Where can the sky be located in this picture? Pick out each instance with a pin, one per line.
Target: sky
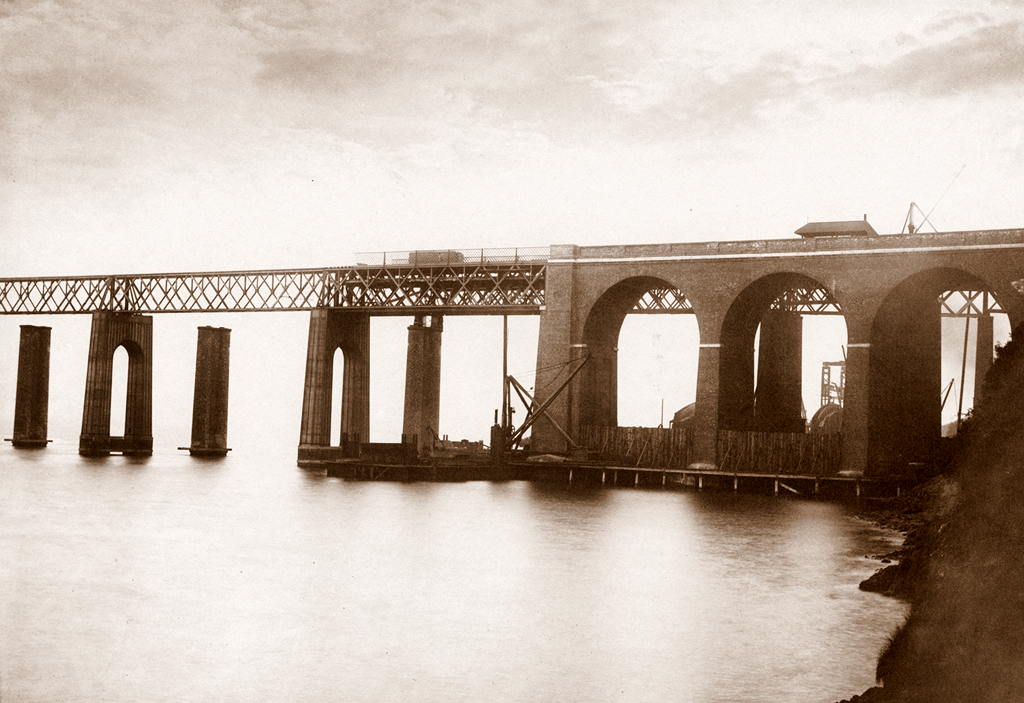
(202, 136)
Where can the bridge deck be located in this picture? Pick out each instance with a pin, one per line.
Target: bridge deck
(449, 282)
(482, 288)
(817, 246)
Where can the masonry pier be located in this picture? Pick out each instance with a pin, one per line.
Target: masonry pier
(892, 292)
(31, 403)
(905, 380)
(777, 400)
(111, 330)
(210, 401)
(329, 331)
(423, 381)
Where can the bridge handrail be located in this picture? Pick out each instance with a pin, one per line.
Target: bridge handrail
(450, 257)
(803, 246)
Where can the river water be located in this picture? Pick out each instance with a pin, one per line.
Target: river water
(176, 579)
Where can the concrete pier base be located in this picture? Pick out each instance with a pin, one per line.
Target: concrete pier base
(111, 330)
(423, 381)
(31, 403)
(210, 401)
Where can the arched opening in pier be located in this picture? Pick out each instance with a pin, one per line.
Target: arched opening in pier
(337, 394)
(657, 367)
(972, 323)
(782, 355)
(119, 391)
(642, 341)
(932, 341)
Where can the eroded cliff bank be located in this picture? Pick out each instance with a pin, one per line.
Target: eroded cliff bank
(963, 569)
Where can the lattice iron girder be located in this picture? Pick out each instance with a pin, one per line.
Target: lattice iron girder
(469, 289)
(953, 303)
(967, 303)
(807, 301)
(661, 301)
(446, 286)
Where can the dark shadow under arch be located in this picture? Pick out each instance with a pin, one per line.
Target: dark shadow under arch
(778, 409)
(905, 371)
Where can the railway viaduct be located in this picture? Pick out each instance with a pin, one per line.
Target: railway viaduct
(890, 290)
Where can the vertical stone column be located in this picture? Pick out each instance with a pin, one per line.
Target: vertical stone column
(555, 349)
(316, 394)
(855, 409)
(111, 330)
(423, 381)
(353, 335)
(138, 416)
(210, 400)
(778, 402)
(330, 330)
(905, 404)
(736, 379)
(705, 419)
(31, 403)
(597, 392)
(982, 354)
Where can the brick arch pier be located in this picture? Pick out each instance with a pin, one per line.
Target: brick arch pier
(886, 287)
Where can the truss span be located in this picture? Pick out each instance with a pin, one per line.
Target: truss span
(480, 288)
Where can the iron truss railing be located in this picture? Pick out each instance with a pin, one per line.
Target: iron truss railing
(393, 290)
(952, 303)
(807, 301)
(968, 303)
(661, 300)
(449, 257)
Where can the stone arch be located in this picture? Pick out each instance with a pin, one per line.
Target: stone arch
(773, 402)
(336, 371)
(905, 370)
(330, 330)
(135, 358)
(598, 386)
(135, 334)
(137, 410)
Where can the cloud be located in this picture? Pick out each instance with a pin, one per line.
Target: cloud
(740, 97)
(988, 58)
(325, 70)
(517, 58)
(64, 85)
(674, 98)
(954, 22)
(56, 59)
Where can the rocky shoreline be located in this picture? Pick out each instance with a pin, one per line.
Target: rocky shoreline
(909, 514)
(961, 567)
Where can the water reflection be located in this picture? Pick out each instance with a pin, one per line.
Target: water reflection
(175, 579)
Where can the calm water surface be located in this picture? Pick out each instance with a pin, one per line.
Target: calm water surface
(174, 579)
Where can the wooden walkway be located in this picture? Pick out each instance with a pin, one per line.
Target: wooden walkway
(756, 482)
(612, 476)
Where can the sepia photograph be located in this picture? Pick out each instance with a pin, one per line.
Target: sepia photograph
(440, 351)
